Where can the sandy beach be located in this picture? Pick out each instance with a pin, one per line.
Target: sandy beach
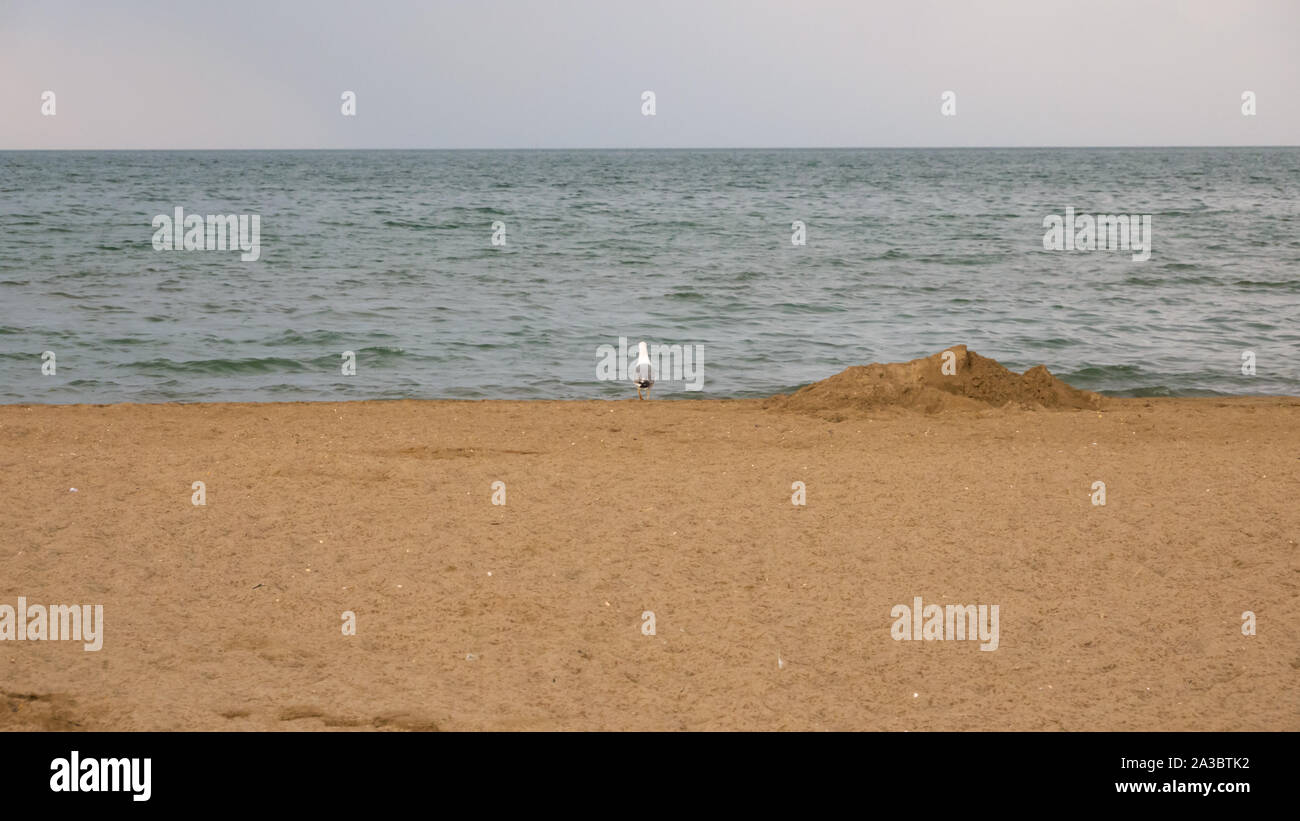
(767, 615)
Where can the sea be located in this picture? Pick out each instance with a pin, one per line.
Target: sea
(513, 274)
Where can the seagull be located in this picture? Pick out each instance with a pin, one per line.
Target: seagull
(642, 376)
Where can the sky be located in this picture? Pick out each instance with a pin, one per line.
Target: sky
(571, 73)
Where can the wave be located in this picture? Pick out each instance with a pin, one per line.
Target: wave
(220, 367)
(1282, 285)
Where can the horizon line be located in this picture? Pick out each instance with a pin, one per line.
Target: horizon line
(692, 148)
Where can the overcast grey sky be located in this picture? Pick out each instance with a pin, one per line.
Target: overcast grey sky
(570, 73)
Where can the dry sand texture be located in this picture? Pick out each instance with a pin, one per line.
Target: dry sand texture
(528, 615)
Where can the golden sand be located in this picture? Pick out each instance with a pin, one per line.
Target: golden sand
(768, 615)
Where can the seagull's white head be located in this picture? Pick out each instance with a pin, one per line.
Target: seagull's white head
(642, 354)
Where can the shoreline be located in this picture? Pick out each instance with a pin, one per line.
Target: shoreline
(1107, 400)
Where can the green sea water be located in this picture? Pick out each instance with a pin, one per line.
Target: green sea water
(390, 255)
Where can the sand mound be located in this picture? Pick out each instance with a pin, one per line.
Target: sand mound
(979, 382)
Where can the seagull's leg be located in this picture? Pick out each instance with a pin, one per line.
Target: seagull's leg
(638, 392)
